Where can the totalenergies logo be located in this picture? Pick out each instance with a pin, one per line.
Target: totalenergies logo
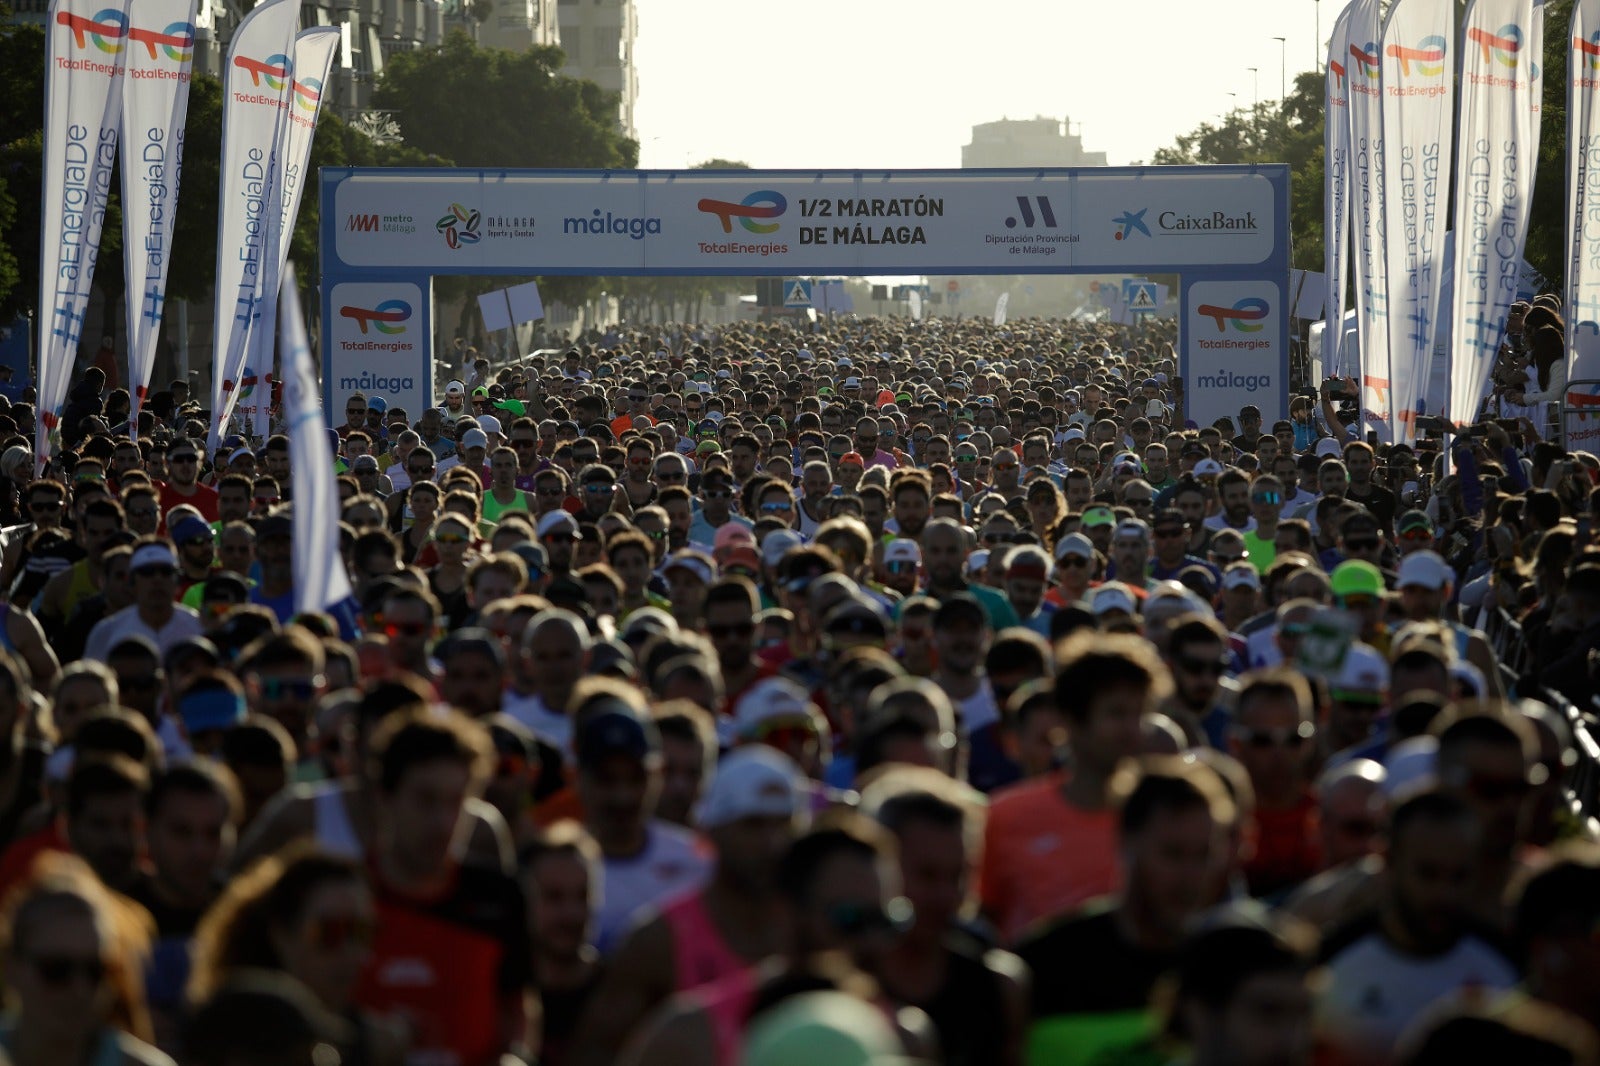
(1502, 46)
(1428, 56)
(307, 94)
(758, 205)
(105, 30)
(176, 41)
(1338, 74)
(1364, 60)
(1589, 50)
(388, 317)
(460, 226)
(275, 70)
(1246, 315)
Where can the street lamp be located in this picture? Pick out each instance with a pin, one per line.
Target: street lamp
(1255, 79)
(1283, 69)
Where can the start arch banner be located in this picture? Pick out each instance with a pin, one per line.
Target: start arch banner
(1223, 229)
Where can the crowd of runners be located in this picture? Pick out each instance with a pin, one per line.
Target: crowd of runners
(867, 691)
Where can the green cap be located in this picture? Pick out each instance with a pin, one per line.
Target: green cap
(1099, 516)
(1356, 578)
(829, 1028)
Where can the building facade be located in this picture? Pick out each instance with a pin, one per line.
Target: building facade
(598, 38)
(1028, 142)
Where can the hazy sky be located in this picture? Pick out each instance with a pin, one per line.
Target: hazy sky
(864, 84)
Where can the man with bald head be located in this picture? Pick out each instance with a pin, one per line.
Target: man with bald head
(553, 657)
(1353, 807)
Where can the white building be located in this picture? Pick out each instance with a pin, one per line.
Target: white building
(598, 38)
(1028, 142)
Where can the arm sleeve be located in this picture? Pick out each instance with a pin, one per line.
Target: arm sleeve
(1513, 464)
(1471, 487)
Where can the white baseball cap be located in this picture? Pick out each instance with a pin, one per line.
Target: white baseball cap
(770, 700)
(755, 781)
(1241, 576)
(1328, 448)
(902, 550)
(1113, 596)
(1425, 569)
(1208, 468)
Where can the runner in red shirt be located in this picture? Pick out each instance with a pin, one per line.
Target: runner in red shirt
(183, 486)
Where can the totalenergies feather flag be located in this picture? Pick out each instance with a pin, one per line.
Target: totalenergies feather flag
(1364, 69)
(1336, 195)
(1583, 222)
(155, 102)
(84, 62)
(256, 91)
(320, 580)
(1497, 147)
(1418, 119)
(313, 58)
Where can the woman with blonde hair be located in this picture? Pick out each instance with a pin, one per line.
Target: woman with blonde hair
(74, 954)
(310, 915)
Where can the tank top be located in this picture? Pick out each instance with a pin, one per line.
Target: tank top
(330, 822)
(968, 1011)
(493, 508)
(727, 1005)
(700, 953)
(79, 587)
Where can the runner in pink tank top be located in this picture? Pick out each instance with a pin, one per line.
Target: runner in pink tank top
(700, 954)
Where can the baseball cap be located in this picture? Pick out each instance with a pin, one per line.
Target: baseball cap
(823, 1027)
(977, 561)
(755, 781)
(851, 458)
(1328, 448)
(1425, 569)
(1099, 516)
(1412, 519)
(455, 388)
(767, 703)
(692, 561)
(857, 617)
(1208, 468)
(1113, 596)
(532, 553)
(616, 729)
(278, 524)
(1363, 678)
(13, 456)
(1241, 576)
(474, 438)
(851, 383)
(1353, 577)
(559, 521)
(153, 555)
(378, 404)
(489, 423)
(1074, 544)
(732, 535)
(902, 550)
(190, 528)
(778, 542)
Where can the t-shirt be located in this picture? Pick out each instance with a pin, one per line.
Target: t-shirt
(1262, 551)
(111, 631)
(447, 964)
(674, 862)
(1374, 991)
(1288, 849)
(204, 500)
(1042, 857)
(1380, 501)
(703, 534)
(550, 727)
(1091, 989)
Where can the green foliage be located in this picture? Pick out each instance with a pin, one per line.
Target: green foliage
(1289, 134)
(482, 107)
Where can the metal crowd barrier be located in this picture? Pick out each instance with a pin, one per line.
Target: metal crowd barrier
(1583, 777)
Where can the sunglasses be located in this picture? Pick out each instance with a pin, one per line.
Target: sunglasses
(1362, 544)
(1419, 535)
(777, 507)
(406, 629)
(1285, 737)
(1077, 562)
(59, 970)
(1213, 667)
(1267, 497)
(516, 443)
(598, 488)
(858, 919)
(155, 571)
(559, 538)
(292, 688)
(44, 508)
(449, 538)
(182, 459)
(730, 629)
(902, 567)
(337, 932)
